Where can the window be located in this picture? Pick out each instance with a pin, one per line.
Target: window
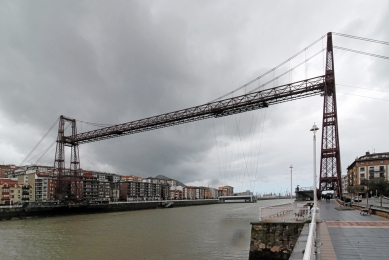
(381, 161)
(362, 169)
(371, 162)
(362, 175)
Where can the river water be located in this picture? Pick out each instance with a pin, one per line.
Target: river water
(219, 231)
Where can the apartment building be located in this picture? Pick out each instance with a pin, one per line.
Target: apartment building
(344, 185)
(211, 193)
(5, 169)
(368, 166)
(90, 187)
(189, 192)
(176, 194)
(42, 186)
(194, 192)
(100, 187)
(226, 191)
(140, 191)
(11, 192)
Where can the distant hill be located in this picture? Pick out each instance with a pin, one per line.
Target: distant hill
(167, 178)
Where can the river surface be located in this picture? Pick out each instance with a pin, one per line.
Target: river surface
(219, 231)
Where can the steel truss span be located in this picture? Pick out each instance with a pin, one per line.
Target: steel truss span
(226, 107)
(330, 168)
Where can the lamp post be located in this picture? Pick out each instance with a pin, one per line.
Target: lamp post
(314, 129)
(291, 197)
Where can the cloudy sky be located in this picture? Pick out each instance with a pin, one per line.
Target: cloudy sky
(119, 61)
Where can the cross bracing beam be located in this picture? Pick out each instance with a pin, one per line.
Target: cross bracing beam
(230, 106)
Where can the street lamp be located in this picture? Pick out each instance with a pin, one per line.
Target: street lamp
(314, 129)
(291, 199)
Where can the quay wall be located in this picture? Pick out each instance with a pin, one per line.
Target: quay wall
(274, 240)
(7, 213)
(185, 203)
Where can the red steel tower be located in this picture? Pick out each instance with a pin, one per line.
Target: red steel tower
(330, 170)
(69, 184)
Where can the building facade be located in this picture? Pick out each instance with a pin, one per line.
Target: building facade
(367, 167)
(226, 191)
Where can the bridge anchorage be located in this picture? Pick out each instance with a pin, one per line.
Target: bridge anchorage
(69, 181)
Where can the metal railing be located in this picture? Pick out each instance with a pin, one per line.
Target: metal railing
(291, 212)
(309, 253)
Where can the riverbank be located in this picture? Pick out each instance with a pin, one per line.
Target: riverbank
(7, 213)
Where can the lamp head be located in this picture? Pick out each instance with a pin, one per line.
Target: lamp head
(314, 128)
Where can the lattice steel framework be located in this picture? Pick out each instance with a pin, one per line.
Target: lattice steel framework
(226, 107)
(68, 181)
(330, 168)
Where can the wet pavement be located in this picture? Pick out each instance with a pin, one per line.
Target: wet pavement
(346, 234)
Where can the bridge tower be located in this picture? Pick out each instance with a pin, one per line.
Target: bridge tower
(330, 169)
(68, 181)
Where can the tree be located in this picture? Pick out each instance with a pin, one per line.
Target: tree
(380, 185)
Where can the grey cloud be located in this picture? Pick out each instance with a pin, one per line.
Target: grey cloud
(123, 61)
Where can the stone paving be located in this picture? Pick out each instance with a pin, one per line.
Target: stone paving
(345, 234)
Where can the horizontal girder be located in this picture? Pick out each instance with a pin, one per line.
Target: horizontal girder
(230, 106)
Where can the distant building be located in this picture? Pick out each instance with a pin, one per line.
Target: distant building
(189, 193)
(344, 185)
(369, 166)
(226, 191)
(131, 178)
(8, 170)
(42, 186)
(90, 187)
(176, 194)
(100, 187)
(247, 192)
(5, 169)
(140, 190)
(11, 192)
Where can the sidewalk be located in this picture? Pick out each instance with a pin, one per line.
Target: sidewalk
(345, 234)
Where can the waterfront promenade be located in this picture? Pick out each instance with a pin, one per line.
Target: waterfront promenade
(345, 234)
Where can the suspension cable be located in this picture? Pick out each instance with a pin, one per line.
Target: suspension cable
(361, 52)
(33, 149)
(43, 154)
(273, 69)
(362, 88)
(95, 124)
(311, 57)
(362, 96)
(360, 38)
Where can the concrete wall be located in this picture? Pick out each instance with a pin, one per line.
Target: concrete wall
(274, 240)
(54, 210)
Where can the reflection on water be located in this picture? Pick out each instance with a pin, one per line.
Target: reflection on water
(220, 231)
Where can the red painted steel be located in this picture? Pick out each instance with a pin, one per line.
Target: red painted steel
(330, 168)
(324, 85)
(226, 107)
(69, 182)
